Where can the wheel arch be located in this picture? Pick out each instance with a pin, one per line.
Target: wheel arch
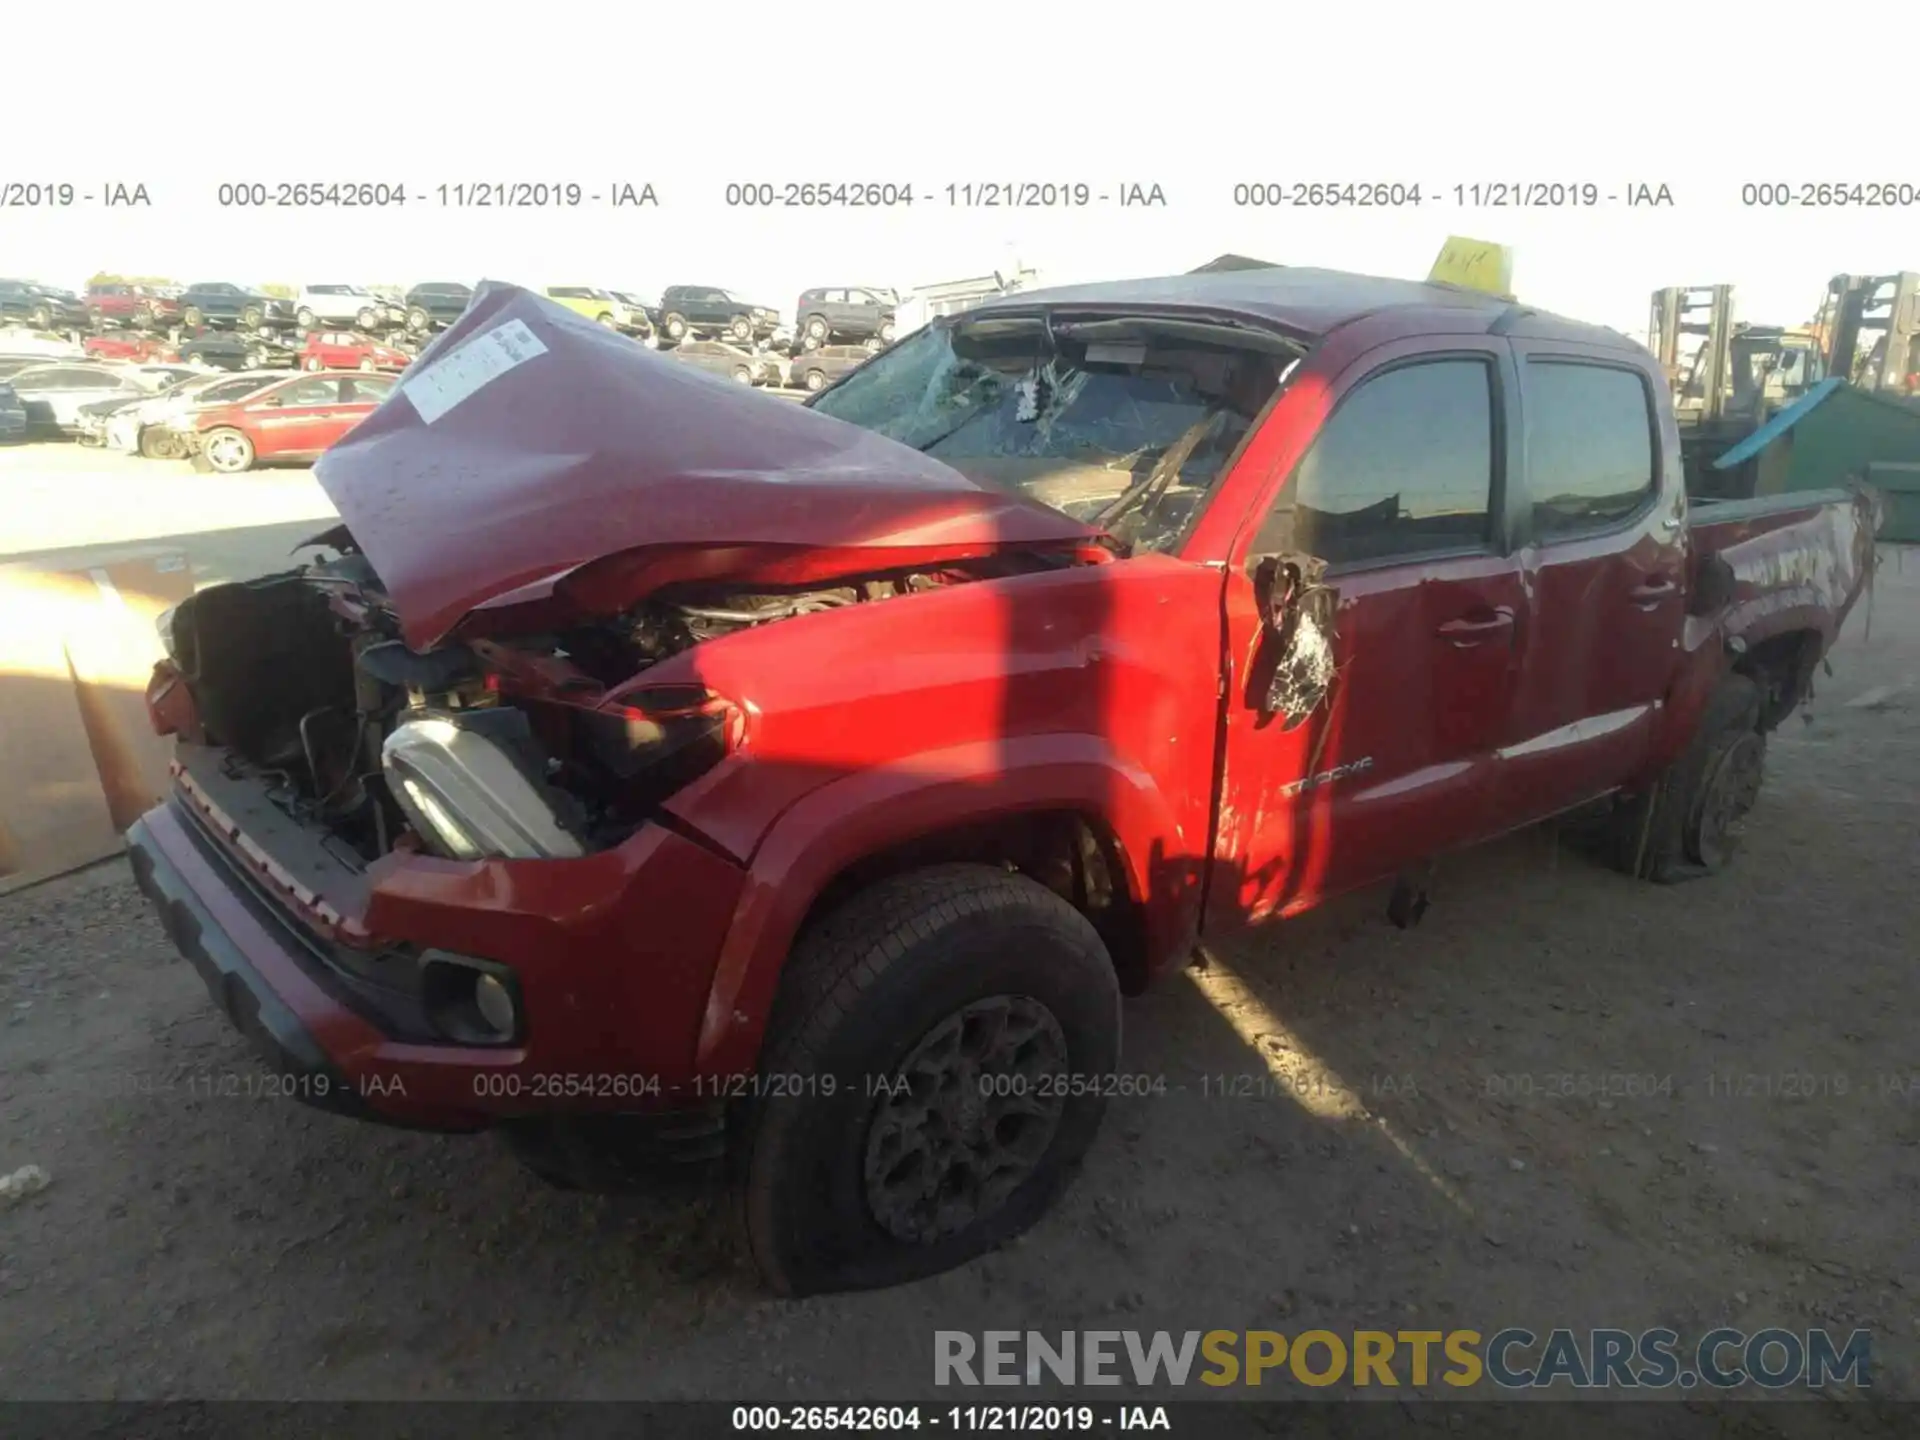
(1068, 814)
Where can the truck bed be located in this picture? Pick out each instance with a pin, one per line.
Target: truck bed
(1798, 561)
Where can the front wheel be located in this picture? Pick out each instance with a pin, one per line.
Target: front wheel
(816, 380)
(367, 366)
(228, 451)
(1689, 823)
(156, 444)
(740, 328)
(305, 318)
(192, 317)
(676, 326)
(252, 316)
(41, 318)
(925, 1040)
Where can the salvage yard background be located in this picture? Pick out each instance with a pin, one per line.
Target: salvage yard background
(1408, 1168)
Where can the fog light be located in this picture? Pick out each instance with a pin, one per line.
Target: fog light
(495, 1004)
(471, 1001)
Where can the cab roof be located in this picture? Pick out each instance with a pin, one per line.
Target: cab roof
(1306, 302)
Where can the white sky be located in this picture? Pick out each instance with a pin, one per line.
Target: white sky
(1193, 97)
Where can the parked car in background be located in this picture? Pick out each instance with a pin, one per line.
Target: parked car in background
(225, 350)
(642, 319)
(54, 394)
(338, 305)
(147, 426)
(816, 369)
(142, 306)
(719, 358)
(435, 304)
(217, 302)
(597, 305)
(13, 415)
(296, 419)
(844, 312)
(24, 341)
(701, 310)
(43, 307)
(346, 350)
(122, 346)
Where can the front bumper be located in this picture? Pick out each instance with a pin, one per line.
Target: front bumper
(296, 952)
(159, 850)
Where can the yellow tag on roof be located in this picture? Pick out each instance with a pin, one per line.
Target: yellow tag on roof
(1474, 265)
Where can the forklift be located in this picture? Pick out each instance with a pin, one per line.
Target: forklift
(1734, 381)
(1870, 329)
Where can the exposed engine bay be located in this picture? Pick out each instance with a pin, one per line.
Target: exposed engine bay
(476, 748)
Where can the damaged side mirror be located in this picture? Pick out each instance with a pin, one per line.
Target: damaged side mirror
(1297, 609)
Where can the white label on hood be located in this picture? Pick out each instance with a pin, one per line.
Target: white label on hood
(452, 378)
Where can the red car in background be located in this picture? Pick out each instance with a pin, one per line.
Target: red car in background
(293, 420)
(130, 305)
(342, 350)
(140, 348)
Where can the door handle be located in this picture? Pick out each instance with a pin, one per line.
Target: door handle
(1652, 593)
(1471, 630)
(1671, 524)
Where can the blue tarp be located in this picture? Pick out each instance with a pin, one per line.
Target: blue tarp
(1778, 425)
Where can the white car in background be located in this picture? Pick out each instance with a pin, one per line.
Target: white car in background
(25, 340)
(322, 307)
(54, 394)
(148, 427)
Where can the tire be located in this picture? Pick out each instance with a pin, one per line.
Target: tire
(741, 327)
(367, 367)
(899, 974)
(228, 451)
(157, 445)
(304, 318)
(251, 316)
(886, 333)
(811, 341)
(312, 363)
(816, 330)
(816, 380)
(368, 320)
(676, 327)
(1687, 824)
(418, 320)
(608, 321)
(192, 318)
(743, 375)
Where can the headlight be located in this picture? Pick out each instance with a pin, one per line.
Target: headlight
(163, 627)
(472, 796)
(658, 740)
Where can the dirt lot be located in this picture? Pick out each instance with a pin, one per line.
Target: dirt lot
(199, 1244)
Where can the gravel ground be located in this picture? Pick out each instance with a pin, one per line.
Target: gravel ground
(1400, 1171)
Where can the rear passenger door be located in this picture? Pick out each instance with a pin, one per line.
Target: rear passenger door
(1601, 521)
(1402, 494)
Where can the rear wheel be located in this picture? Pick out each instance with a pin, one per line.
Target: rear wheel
(743, 374)
(1689, 823)
(41, 318)
(923, 1037)
(740, 328)
(816, 380)
(418, 320)
(676, 327)
(228, 451)
(304, 318)
(368, 319)
(816, 331)
(606, 319)
(191, 317)
(367, 365)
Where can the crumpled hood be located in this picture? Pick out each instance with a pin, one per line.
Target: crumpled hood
(533, 457)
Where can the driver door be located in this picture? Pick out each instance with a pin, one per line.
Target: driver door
(1413, 633)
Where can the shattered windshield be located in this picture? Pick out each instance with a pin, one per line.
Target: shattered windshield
(1125, 422)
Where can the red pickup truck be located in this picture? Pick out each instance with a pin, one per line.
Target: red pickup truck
(657, 771)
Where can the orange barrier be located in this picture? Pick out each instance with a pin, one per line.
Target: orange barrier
(78, 760)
